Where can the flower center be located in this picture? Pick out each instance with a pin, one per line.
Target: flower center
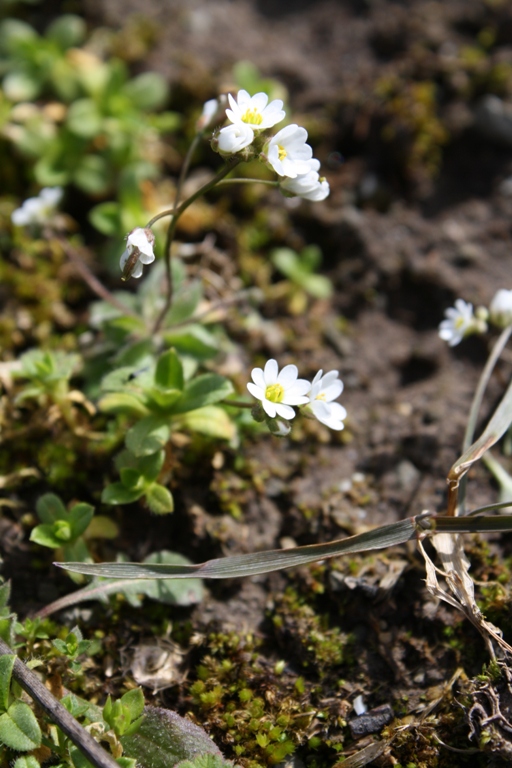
(459, 322)
(252, 116)
(274, 393)
(282, 153)
(320, 396)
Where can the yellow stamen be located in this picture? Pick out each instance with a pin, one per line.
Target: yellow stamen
(274, 393)
(320, 396)
(252, 116)
(282, 153)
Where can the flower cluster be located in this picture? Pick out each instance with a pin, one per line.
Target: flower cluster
(279, 391)
(38, 211)
(287, 153)
(461, 321)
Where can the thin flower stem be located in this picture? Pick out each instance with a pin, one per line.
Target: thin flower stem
(185, 167)
(477, 402)
(238, 404)
(238, 180)
(161, 215)
(231, 163)
(179, 186)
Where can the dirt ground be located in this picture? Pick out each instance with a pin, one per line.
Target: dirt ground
(419, 214)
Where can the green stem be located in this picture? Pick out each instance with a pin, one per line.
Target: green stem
(232, 163)
(238, 180)
(179, 186)
(477, 402)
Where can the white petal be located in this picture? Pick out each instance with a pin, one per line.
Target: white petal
(139, 239)
(333, 391)
(270, 372)
(255, 391)
(288, 375)
(285, 411)
(258, 377)
(269, 408)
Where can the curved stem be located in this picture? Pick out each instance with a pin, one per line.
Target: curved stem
(232, 162)
(179, 185)
(477, 402)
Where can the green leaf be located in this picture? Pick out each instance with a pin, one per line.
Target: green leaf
(159, 499)
(117, 493)
(68, 31)
(131, 478)
(45, 536)
(203, 390)
(93, 175)
(28, 761)
(50, 508)
(193, 340)
(106, 218)
(148, 436)
(79, 517)
(5, 594)
(205, 761)
(169, 371)
(134, 701)
(19, 728)
(184, 303)
(21, 86)
(161, 402)
(211, 421)
(147, 91)
(6, 667)
(122, 403)
(165, 738)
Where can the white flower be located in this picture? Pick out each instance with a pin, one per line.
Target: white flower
(233, 138)
(254, 110)
(139, 251)
(213, 113)
(288, 153)
(38, 210)
(460, 321)
(500, 309)
(278, 391)
(325, 389)
(308, 185)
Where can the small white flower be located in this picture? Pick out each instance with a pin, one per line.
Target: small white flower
(212, 114)
(288, 153)
(38, 210)
(233, 138)
(278, 391)
(500, 309)
(325, 389)
(139, 251)
(255, 110)
(460, 321)
(308, 185)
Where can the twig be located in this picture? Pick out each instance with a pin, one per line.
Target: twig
(58, 713)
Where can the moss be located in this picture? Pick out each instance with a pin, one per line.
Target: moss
(315, 645)
(256, 716)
